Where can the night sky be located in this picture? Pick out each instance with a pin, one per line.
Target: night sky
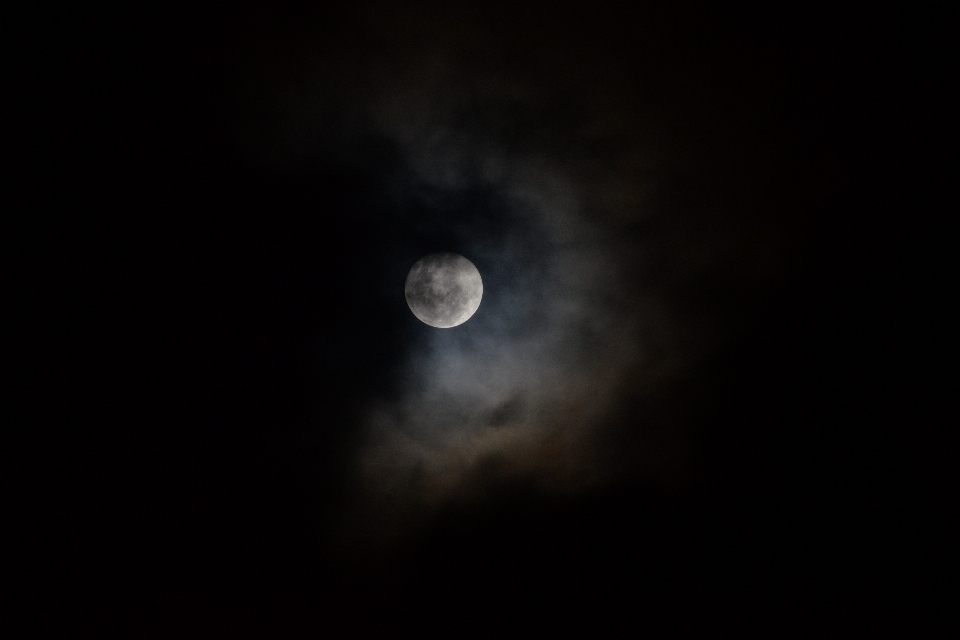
(678, 408)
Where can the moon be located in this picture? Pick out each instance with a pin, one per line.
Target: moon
(444, 289)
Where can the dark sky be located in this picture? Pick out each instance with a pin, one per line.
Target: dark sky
(670, 411)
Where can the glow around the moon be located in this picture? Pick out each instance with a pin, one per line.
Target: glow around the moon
(444, 289)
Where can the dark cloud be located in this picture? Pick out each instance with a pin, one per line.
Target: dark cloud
(532, 152)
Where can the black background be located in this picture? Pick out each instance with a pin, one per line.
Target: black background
(188, 338)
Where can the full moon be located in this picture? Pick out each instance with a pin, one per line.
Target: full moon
(444, 290)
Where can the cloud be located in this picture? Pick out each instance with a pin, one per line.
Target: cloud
(537, 156)
(528, 391)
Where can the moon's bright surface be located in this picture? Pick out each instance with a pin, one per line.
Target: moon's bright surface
(444, 289)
